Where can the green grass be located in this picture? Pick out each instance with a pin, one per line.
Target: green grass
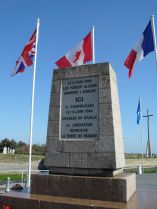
(13, 176)
(149, 170)
(131, 170)
(135, 170)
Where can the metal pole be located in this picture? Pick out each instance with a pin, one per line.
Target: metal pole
(148, 142)
(141, 134)
(148, 134)
(93, 45)
(154, 37)
(32, 106)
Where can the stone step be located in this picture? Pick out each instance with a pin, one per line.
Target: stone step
(119, 188)
(18, 200)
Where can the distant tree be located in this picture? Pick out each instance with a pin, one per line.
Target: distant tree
(21, 144)
(38, 149)
(13, 144)
(5, 142)
(21, 147)
(22, 150)
(1, 147)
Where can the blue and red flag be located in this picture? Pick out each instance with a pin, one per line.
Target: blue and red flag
(27, 56)
(144, 46)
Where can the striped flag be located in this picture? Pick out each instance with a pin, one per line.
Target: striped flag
(144, 46)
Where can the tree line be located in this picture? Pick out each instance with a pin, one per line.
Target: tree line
(21, 147)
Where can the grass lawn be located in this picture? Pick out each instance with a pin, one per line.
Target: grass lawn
(13, 177)
(135, 170)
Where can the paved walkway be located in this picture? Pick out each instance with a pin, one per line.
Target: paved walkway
(146, 182)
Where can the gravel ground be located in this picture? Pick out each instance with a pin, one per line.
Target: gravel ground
(147, 162)
(152, 162)
(5, 166)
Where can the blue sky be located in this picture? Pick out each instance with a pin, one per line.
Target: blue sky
(119, 24)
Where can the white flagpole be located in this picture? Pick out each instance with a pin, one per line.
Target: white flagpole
(93, 45)
(32, 106)
(154, 37)
(141, 133)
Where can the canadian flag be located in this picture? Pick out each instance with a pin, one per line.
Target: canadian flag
(79, 55)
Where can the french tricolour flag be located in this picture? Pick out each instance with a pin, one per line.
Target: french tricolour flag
(144, 46)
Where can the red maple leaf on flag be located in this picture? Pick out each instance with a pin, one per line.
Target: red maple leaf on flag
(77, 56)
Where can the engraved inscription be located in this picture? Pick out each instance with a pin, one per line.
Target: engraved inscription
(79, 108)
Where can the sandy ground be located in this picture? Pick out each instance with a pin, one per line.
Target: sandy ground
(24, 166)
(5, 166)
(152, 162)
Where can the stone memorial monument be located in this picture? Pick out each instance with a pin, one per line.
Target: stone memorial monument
(84, 149)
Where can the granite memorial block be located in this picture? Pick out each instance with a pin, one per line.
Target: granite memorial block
(84, 126)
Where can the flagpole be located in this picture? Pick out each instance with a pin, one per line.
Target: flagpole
(154, 37)
(93, 45)
(141, 127)
(32, 106)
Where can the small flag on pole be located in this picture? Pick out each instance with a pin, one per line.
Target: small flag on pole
(79, 55)
(144, 46)
(27, 56)
(139, 112)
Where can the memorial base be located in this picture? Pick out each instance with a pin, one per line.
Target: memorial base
(34, 201)
(85, 171)
(119, 188)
